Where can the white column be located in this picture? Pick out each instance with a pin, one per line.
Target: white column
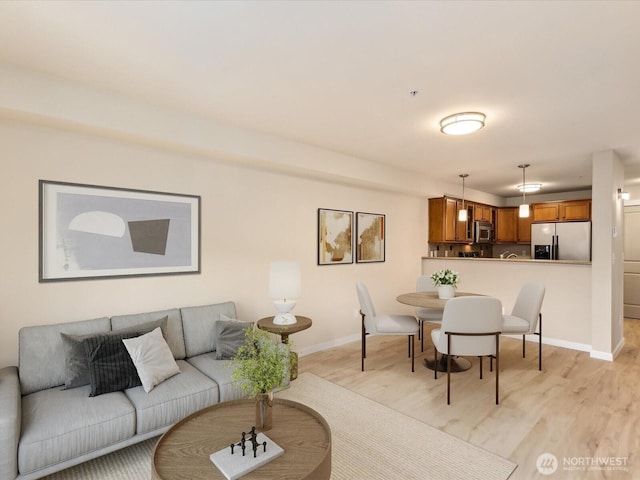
(607, 256)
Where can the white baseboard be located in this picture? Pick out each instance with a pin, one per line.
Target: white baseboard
(336, 342)
(554, 342)
(606, 355)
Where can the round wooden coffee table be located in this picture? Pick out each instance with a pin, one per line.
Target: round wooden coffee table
(183, 451)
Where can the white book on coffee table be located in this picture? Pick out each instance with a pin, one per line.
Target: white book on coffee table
(235, 466)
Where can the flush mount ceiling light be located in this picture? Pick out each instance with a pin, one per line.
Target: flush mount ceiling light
(462, 123)
(530, 187)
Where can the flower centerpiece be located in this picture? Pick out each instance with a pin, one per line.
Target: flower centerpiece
(446, 280)
(261, 366)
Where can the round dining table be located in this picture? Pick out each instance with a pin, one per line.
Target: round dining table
(431, 300)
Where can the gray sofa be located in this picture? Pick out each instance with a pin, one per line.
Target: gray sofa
(45, 428)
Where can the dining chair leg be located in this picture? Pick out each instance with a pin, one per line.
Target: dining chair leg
(364, 343)
(422, 335)
(497, 364)
(480, 367)
(448, 369)
(413, 353)
(540, 343)
(435, 362)
(409, 345)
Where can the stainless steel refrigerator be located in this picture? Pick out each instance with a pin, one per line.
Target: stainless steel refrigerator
(561, 241)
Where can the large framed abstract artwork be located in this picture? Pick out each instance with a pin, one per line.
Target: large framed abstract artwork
(370, 237)
(90, 231)
(335, 244)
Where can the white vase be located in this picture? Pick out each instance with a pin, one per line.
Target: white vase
(446, 292)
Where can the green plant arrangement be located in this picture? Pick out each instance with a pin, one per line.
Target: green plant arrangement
(262, 364)
(445, 276)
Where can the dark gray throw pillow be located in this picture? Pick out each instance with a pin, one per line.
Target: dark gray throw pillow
(230, 335)
(76, 364)
(110, 366)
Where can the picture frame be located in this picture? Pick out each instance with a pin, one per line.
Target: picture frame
(91, 232)
(370, 237)
(335, 237)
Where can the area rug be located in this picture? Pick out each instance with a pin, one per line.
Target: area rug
(373, 442)
(369, 442)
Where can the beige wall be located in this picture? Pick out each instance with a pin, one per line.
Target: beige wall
(249, 217)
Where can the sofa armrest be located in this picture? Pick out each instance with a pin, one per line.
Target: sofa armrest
(10, 421)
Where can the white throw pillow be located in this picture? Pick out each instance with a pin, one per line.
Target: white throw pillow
(152, 357)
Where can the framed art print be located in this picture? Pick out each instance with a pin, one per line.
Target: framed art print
(335, 237)
(370, 237)
(89, 231)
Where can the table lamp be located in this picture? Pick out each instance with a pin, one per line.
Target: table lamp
(284, 289)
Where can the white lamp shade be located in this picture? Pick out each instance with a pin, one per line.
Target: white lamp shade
(462, 215)
(284, 289)
(284, 280)
(524, 210)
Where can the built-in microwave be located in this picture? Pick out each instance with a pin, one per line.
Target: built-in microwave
(482, 232)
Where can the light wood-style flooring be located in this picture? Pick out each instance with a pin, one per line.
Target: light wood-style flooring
(577, 408)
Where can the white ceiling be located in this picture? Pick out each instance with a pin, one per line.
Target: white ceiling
(557, 80)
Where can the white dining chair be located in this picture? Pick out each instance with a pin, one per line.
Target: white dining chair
(526, 316)
(374, 324)
(431, 315)
(470, 327)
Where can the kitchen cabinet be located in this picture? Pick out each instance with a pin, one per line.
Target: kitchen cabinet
(524, 229)
(578, 210)
(506, 227)
(562, 211)
(444, 226)
(544, 212)
(482, 213)
(442, 219)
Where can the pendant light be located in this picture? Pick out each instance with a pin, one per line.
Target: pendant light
(523, 212)
(462, 214)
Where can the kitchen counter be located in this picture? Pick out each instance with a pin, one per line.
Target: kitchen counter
(566, 309)
(509, 260)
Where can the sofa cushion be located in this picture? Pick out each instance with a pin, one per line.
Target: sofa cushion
(152, 358)
(220, 371)
(76, 363)
(230, 335)
(198, 323)
(173, 399)
(41, 355)
(59, 425)
(173, 333)
(110, 365)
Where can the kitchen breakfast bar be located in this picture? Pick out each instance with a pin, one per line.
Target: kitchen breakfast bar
(566, 308)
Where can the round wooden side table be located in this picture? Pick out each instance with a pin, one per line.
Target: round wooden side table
(302, 323)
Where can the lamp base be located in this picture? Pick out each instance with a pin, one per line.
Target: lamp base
(284, 319)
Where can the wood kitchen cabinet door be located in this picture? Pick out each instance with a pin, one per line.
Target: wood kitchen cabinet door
(443, 219)
(578, 210)
(545, 212)
(524, 229)
(482, 213)
(507, 225)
